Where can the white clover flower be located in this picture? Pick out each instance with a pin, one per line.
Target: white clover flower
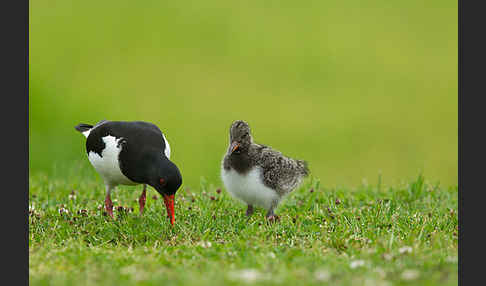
(247, 275)
(356, 263)
(205, 244)
(322, 275)
(452, 259)
(387, 256)
(405, 249)
(410, 274)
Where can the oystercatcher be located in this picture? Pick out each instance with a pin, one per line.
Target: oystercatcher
(257, 174)
(132, 153)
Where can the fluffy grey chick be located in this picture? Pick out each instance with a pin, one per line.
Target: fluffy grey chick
(257, 174)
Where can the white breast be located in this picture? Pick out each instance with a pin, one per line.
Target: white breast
(249, 188)
(107, 164)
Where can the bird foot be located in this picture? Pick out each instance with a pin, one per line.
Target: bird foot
(141, 201)
(249, 210)
(110, 211)
(109, 206)
(272, 218)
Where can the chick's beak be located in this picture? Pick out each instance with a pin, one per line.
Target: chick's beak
(169, 205)
(234, 146)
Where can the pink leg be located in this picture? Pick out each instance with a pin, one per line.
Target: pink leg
(109, 205)
(142, 199)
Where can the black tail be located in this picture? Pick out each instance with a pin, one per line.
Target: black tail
(81, 127)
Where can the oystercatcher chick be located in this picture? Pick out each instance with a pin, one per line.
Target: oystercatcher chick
(132, 153)
(257, 174)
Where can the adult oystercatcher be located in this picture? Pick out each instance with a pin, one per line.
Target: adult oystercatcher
(132, 153)
(257, 174)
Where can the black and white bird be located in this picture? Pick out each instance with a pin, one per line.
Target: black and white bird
(132, 153)
(257, 174)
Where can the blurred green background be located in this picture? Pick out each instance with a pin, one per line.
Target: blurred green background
(356, 88)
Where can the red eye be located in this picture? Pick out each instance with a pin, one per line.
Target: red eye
(162, 182)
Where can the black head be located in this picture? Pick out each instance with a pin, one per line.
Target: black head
(166, 179)
(240, 137)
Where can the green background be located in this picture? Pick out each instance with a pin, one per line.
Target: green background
(356, 88)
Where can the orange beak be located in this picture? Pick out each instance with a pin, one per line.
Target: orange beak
(234, 146)
(169, 205)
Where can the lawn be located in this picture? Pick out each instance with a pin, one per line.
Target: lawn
(373, 234)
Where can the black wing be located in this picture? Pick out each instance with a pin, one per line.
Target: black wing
(139, 142)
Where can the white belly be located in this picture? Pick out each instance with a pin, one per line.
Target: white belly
(249, 188)
(107, 164)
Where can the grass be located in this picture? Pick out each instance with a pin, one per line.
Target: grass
(373, 234)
